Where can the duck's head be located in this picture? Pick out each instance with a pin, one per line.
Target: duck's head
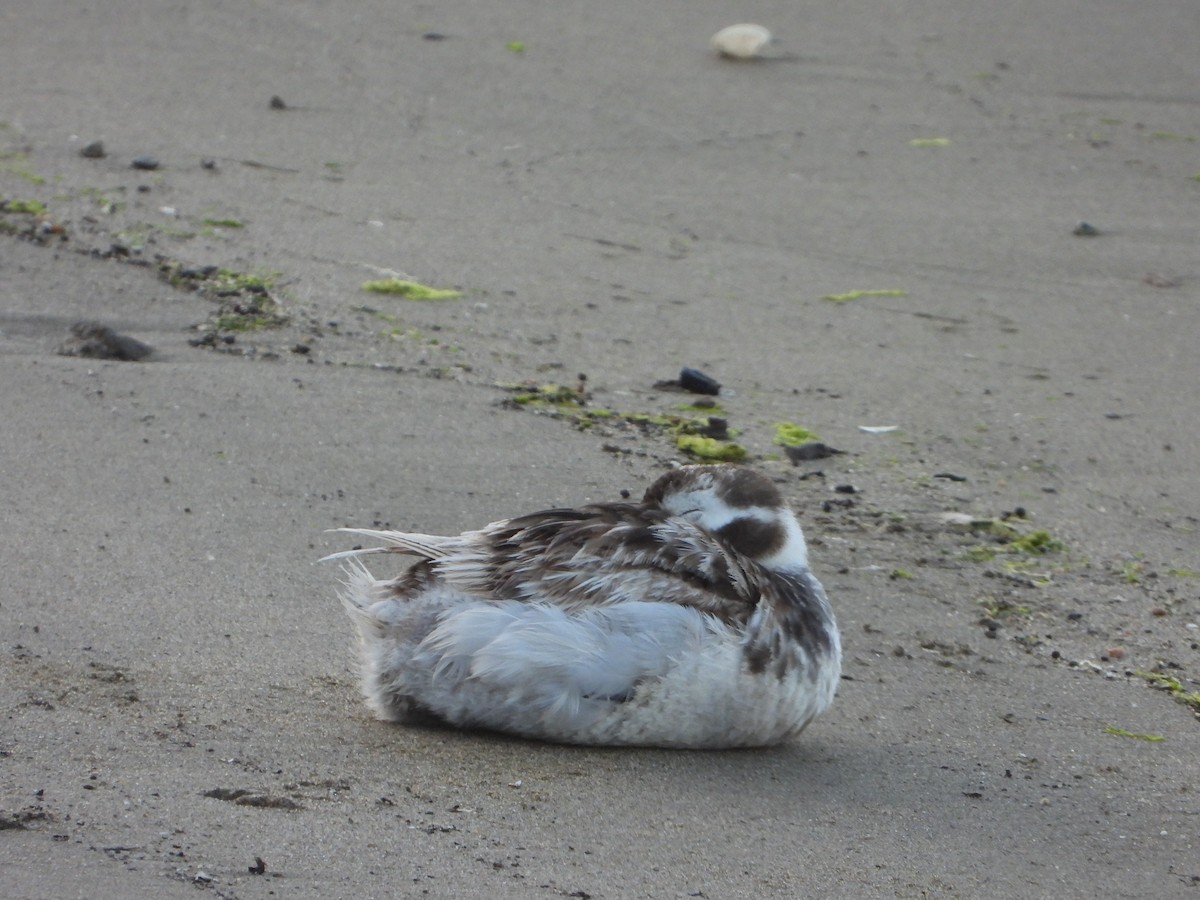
(740, 506)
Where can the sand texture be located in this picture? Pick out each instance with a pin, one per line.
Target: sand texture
(613, 200)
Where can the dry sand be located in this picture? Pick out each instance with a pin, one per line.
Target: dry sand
(612, 199)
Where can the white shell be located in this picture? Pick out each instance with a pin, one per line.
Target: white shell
(742, 41)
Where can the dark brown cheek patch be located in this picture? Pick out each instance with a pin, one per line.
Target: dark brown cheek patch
(745, 487)
(752, 537)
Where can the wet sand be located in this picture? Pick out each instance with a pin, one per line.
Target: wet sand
(611, 199)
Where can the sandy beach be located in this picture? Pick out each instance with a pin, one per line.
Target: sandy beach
(955, 241)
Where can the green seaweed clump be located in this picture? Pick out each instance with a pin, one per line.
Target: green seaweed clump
(710, 448)
(1175, 688)
(1121, 732)
(557, 395)
(410, 290)
(1001, 609)
(23, 207)
(857, 295)
(1008, 540)
(704, 436)
(554, 399)
(788, 434)
(1036, 543)
(245, 301)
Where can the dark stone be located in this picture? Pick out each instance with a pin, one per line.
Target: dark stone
(696, 382)
(94, 340)
(810, 451)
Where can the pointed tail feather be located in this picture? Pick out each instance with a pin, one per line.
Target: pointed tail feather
(351, 554)
(429, 546)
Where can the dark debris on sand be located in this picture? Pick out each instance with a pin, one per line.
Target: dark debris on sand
(95, 340)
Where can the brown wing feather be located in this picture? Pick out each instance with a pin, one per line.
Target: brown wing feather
(602, 553)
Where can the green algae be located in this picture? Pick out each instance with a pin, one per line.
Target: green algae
(858, 295)
(789, 434)
(1121, 732)
(23, 207)
(710, 448)
(409, 290)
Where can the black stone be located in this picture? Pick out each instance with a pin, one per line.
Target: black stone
(697, 382)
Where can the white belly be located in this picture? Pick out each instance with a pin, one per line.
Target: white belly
(633, 673)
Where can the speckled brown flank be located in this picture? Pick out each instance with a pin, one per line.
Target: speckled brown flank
(797, 617)
(803, 616)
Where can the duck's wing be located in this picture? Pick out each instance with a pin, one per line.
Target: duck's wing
(596, 555)
(601, 555)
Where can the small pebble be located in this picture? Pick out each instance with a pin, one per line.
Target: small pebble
(697, 382)
(93, 340)
(148, 163)
(277, 102)
(1160, 281)
(1083, 229)
(94, 150)
(810, 451)
(717, 428)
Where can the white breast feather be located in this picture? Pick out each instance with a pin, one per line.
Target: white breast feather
(602, 652)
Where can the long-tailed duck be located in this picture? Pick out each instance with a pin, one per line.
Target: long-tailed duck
(690, 619)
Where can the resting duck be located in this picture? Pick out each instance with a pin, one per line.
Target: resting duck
(690, 619)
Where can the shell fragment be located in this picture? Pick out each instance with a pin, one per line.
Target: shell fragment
(743, 41)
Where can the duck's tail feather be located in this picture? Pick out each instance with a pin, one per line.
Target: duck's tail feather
(428, 546)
